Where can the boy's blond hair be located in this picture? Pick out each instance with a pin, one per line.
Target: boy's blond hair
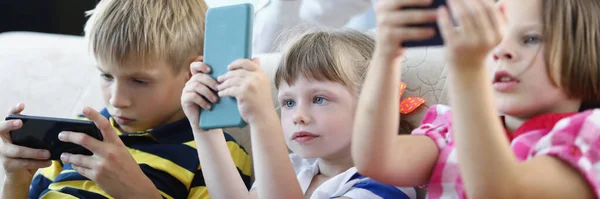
(121, 32)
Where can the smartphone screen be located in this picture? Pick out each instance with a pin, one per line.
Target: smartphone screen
(42, 133)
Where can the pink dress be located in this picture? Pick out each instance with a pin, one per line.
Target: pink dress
(572, 137)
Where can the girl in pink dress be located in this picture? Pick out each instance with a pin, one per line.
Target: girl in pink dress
(524, 79)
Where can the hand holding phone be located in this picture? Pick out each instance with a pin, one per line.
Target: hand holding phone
(18, 160)
(396, 23)
(228, 38)
(42, 133)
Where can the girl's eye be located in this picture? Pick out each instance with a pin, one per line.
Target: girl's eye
(532, 39)
(289, 103)
(319, 100)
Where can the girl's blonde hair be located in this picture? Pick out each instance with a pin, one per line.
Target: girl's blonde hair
(572, 32)
(341, 56)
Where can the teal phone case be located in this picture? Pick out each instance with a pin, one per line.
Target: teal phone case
(228, 37)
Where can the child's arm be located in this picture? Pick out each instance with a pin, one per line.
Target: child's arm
(376, 149)
(219, 170)
(274, 173)
(19, 163)
(488, 166)
(220, 173)
(249, 84)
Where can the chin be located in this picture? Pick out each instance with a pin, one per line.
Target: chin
(518, 110)
(307, 153)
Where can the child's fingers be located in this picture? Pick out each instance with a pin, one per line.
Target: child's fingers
(233, 74)
(78, 160)
(86, 141)
(230, 92)
(199, 67)
(9, 125)
(190, 104)
(207, 93)
(202, 90)
(479, 18)
(410, 34)
(447, 29)
(25, 163)
(234, 81)
(20, 152)
(195, 98)
(86, 172)
(406, 17)
(461, 13)
(390, 5)
(205, 80)
(497, 19)
(245, 64)
(16, 109)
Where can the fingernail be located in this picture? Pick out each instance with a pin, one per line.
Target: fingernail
(196, 64)
(17, 123)
(61, 136)
(64, 156)
(18, 105)
(46, 154)
(86, 110)
(215, 99)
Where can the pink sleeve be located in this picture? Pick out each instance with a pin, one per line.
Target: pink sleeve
(436, 125)
(576, 141)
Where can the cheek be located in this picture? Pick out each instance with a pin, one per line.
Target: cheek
(106, 92)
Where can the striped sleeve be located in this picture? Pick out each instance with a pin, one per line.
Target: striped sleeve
(198, 188)
(42, 180)
(370, 189)
(241, 159)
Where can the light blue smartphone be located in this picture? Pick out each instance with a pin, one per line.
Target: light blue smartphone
(228, 37)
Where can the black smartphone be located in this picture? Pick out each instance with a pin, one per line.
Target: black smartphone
(42, 133)
(437, 40)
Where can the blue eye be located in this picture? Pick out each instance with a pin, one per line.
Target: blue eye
(289, 103)
(532, 40)
(319, 100)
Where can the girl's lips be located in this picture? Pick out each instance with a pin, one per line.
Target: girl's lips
(303, 137)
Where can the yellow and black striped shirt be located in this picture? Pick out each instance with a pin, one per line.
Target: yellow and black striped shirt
(166, 154)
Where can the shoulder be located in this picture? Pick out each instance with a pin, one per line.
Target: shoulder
(360, 186)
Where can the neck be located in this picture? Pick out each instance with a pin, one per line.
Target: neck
(335, 164)
(512, 123)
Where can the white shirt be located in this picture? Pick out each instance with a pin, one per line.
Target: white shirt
(346, 184)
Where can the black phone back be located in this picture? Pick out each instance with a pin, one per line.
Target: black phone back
(42, 133)
(437, 40)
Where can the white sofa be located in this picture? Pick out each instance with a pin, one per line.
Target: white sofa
(54, 75)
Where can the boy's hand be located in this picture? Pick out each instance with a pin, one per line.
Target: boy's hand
(250, 85)
(393, 22)
(479, 31)
(196, 91)
(19, 162)
(111, 166)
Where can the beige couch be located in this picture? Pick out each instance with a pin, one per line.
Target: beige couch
(55, 76)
